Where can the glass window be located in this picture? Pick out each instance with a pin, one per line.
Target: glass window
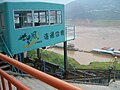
(59, 17)
(23, 19)
(41, 18)
(2, 21)
(55, 17)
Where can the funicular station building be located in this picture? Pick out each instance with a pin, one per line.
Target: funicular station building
(30, 26)
(25, 26)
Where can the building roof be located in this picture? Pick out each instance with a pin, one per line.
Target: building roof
(2, 1)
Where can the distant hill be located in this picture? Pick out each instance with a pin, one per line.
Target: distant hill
(93, 9)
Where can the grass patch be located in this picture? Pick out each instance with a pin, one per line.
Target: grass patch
(58, 59)
(55, 58)
(101, 65)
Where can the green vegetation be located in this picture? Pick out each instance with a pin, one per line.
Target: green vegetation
(54, 58)
(72, 63)
(101, 65)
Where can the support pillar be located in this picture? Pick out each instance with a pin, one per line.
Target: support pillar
(38, 53)
(65, 59)
(38, 62)
(21, 57)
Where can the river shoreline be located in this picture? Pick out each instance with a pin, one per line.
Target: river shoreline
(88, 38)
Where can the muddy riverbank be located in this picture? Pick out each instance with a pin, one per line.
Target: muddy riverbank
(88, 38)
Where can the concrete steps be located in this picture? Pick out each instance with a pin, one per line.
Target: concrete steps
(34, 84)
(4, 66)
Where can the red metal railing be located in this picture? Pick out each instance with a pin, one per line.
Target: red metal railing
(11, 81)
(52, 81)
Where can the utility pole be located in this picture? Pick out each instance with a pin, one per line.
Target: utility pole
(65, 59)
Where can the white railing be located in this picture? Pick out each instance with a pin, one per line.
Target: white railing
(70, 32)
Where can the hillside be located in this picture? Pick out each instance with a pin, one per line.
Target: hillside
(93, 10)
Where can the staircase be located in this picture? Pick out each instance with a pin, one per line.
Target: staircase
(44, 66)
(34, 84)
(3, 65)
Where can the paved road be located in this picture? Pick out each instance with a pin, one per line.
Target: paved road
(112, 86)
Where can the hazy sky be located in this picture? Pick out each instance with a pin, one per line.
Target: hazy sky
(54, 1)
(58, 1)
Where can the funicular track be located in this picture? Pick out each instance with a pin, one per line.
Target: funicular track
(50, 80)
(44, 66)
(93, 76)
(89, 76)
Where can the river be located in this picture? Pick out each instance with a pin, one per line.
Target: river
(88, 38)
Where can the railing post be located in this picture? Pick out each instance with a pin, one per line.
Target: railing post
(18, 88)
(55, 82)
(74, 31)
(114, 76)
(0, 86)
(109, 72)
(3, 83)
(115, 63)
(84, 76)
(21, 59)
(10, 86)
(12, 81)
(61, 72)
(92, 76)
(0, 83)
(44, 68)
(74, 74)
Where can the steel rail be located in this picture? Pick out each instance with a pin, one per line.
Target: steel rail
(52, 81)
(11, 81)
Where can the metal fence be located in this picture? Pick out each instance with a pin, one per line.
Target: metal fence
(48, 79)
(92, 76)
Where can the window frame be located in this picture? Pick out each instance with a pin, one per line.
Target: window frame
(60, 17)
(46, 17)
(22, 27)
(56, 17)
(33, 19)
(52, 22)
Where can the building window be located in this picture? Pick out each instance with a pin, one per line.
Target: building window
(2, 26)
(23, 19)
(59, 17)
(41, 18)
(36, 18)
(55, 17)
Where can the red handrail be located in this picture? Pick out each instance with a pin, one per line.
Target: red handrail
(55, 82)
(11, 81)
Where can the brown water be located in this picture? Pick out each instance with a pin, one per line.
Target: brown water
(88, 38)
